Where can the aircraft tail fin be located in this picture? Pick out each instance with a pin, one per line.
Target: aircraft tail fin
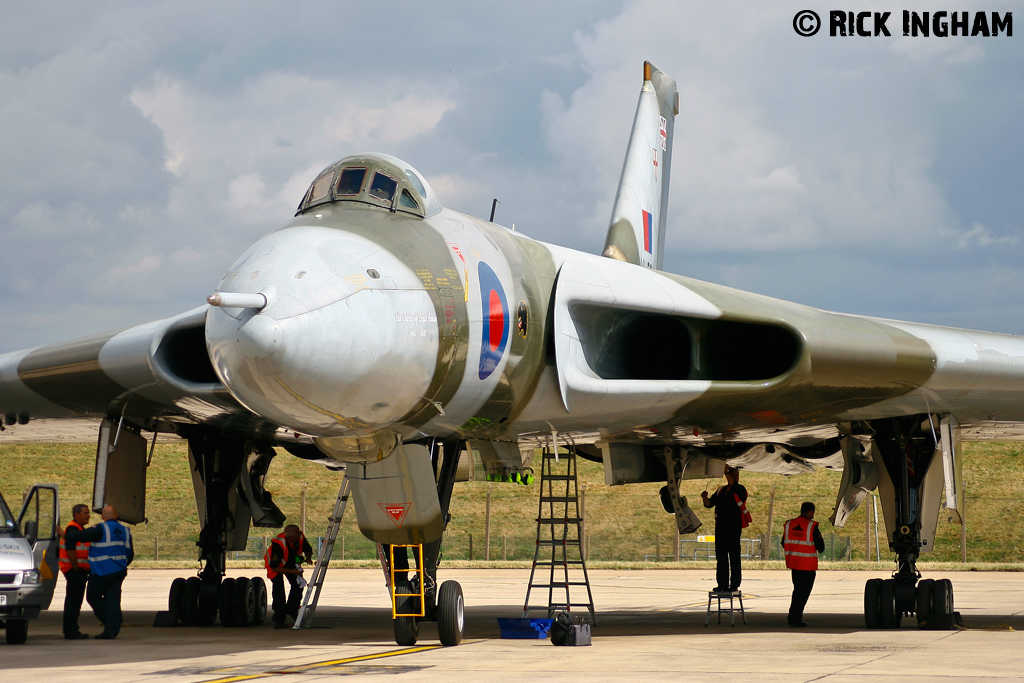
(637, 230)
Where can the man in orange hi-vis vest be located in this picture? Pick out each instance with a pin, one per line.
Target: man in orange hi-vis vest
(74, 565)
(282, 559)
(802, 541)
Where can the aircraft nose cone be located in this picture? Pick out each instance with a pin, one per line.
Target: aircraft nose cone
(259, 338)
(336, 349)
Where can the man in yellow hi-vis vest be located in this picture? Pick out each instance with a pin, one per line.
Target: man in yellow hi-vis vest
(802, 542)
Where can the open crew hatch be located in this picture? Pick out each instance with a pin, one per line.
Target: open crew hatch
(373, 179)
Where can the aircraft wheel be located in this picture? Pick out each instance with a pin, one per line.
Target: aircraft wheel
(451, 613)
(887, 604)
(259, 587)
(407, 629)
(17, 631)
(208, 593)
(924, 602)
(871, 613)
(190, 601)
(225, 602)
(244, 602)
(942, 605)
(175, 595)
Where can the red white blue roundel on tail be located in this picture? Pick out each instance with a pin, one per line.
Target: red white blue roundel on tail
(495, 320)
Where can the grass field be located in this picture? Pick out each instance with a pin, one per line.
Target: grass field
(625, 525)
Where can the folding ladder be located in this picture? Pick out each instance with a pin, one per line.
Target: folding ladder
(559, 528)
(307, 609)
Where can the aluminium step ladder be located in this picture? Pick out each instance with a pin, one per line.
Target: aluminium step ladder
(559, 527)
(304, 619)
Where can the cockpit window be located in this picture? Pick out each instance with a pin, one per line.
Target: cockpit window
(414, 179)
(372, 180)
(407, 201)
(351, 182)
(383, 187)
(321, 187)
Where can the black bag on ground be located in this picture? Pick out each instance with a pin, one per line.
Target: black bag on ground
(561, 627)
(565, 632)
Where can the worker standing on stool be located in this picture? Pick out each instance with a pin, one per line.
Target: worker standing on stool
(802, 541)
(729, 502)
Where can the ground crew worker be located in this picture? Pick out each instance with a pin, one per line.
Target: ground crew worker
(285, 552)
(110, 553)
(74, 565)
(729, 502)
(802, 541)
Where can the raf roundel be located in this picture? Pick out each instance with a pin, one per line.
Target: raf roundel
(495, 319)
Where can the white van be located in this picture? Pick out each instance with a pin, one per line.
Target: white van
(29, 550)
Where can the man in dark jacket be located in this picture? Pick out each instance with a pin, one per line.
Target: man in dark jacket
(729, 502)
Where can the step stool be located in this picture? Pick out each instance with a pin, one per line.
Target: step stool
(731, 610)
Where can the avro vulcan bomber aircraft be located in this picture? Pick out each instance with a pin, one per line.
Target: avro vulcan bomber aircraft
(379, 332)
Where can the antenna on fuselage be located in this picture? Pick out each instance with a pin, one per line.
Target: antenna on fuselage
(494, 205)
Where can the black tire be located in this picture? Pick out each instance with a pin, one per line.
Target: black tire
(208, 593)
(407, 629)
(451, 613)
(887, 604)
(17, 631)
(225, 602)
(244, 602)
(175, 595)
(871, 612)
(942, 605)
(190, 601)
(259, 587)
(924, 602)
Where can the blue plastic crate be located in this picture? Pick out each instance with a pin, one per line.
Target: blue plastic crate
(526, 629)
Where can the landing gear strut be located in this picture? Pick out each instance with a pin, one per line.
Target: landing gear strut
(907, 448)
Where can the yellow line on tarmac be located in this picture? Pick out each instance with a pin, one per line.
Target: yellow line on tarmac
(334, 662)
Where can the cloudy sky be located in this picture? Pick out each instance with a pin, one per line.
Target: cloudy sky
(145, 145)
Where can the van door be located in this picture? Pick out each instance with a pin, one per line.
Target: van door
(38, 522)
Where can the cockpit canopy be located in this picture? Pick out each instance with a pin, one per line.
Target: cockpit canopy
(375, 179)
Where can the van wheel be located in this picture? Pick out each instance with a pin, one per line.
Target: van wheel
(17, 631)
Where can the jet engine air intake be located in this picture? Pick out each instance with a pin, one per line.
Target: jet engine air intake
(641, 345)
(182, 353)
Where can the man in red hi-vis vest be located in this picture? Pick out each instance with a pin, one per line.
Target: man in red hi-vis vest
(74, 565)
(802, 541)
(286, 550)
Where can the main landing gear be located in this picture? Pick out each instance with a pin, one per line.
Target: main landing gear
(908, 450)
(238, 602)
(228, 479)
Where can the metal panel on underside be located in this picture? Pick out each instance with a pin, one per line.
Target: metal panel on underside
(121, 473)
(396, 498)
